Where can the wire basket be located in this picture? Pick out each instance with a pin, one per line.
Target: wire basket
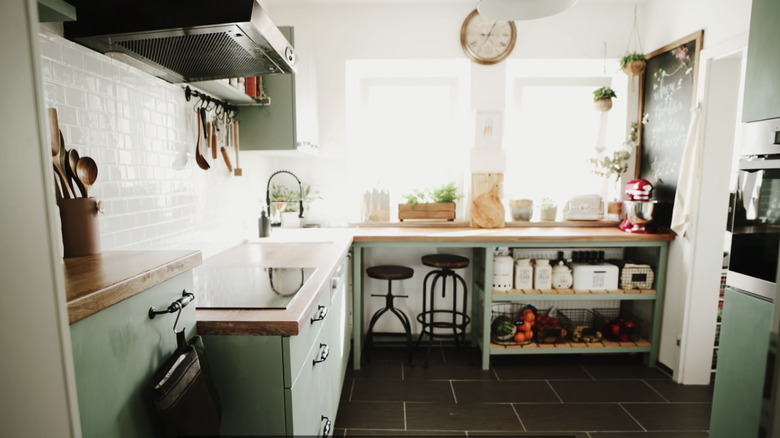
(513, 311)
(548, 329)
(579, 325)
(616, 325)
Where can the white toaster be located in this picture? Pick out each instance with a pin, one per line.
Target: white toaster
(601, 276)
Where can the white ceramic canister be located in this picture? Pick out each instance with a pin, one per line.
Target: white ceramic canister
(502, 271)
(542, 274)
(561, 276)
(524, 274)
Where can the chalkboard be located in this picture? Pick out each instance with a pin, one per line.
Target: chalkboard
(668, 91)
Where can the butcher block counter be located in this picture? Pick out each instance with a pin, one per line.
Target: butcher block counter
(507, 234)
(95, 282)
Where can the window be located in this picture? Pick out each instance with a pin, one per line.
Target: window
(408, 125)
(552, 128)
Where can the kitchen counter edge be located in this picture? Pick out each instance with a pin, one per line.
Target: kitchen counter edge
(96, 282)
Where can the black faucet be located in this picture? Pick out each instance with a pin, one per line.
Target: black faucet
(268, 192)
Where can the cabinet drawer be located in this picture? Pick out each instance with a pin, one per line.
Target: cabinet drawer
(309, 400)
(297, 348)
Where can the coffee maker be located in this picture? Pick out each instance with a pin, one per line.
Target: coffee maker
(638, 208)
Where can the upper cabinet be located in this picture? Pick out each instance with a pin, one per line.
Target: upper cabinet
(55, 11)
(290, 122)
(762, 78)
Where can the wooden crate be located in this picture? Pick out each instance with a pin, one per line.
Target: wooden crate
(438, 211)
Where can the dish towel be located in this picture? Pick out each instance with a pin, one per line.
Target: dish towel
(690, 175)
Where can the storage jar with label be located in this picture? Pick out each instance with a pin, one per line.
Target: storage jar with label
(542, 274)
(524, 274)
(561, 276)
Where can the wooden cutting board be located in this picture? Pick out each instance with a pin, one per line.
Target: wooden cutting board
(487, 210)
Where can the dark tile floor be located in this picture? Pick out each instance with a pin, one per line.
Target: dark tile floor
(564, 396)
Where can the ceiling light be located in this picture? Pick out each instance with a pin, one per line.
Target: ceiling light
(516, 10)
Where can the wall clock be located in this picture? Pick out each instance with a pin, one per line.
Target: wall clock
(486, 40)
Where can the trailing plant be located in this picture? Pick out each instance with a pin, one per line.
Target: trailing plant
(604, 93)
(615, 164)
(628, 58)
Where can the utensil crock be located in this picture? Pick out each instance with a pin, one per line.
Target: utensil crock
(80, 230)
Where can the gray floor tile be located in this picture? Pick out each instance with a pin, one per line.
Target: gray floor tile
(459, 417)
(410, 433)
(378, 370)
(538, 368)
(575, 417)
(370, 415)
(649, 434)
(599, 391)
(402, 390)
(675, 392)
(671, 416)
(619, 366)
(504, 392)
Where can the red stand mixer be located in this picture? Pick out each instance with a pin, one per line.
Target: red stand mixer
(639, 208)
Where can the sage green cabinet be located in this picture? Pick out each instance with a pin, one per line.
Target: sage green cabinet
(115, 353)
(762, 82)
(285, 385)
(739, 378)
(290, 122)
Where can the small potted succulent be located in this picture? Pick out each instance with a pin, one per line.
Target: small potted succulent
(435, 203)
(548, 210)
(602, 98)
(633, 63)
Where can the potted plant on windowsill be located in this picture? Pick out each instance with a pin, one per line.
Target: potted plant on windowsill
(284, 203)
(602, 98)
(436, 203)
(612, 166)
(548, 210)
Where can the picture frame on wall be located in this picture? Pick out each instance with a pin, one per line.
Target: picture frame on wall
(667, 93)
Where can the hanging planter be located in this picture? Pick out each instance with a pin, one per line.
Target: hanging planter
(633, 64)
(602, 99)
(634, 61)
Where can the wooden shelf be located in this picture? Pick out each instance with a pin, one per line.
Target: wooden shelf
(565, 346)
(571, 294)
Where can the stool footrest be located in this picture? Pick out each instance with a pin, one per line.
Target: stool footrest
(394, 296)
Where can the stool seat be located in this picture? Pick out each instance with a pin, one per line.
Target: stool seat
(390, 272)
(450, 261)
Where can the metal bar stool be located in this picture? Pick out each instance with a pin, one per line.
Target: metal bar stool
(389, 273)
(452, 319)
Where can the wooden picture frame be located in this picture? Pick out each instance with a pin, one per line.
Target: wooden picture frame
(667, 92)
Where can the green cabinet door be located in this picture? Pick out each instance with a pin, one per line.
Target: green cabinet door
(739, 378)
(115, 353)
(762, 82)
(273, 127)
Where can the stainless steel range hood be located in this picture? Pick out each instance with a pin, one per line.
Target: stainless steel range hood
(185, 40)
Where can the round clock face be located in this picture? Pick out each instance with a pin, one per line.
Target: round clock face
(485, 40)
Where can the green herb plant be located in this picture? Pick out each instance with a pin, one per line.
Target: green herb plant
(290, 197)
(603, 93)
(444, 193)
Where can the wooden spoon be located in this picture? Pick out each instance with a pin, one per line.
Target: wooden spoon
(202, 163)
(73, 159)
(54, 130)
(87, 171)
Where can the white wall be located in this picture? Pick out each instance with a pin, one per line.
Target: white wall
(691, 297)
(136, 127)
(337, 31)
(38, 396)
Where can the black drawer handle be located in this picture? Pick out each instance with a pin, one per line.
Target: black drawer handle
(326, 427)
(324, 351)
(322, 312)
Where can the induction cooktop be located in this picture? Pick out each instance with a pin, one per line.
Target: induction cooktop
(248, 287)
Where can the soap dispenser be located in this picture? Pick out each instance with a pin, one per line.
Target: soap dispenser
(264, 224)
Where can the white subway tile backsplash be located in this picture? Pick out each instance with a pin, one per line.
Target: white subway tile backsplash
(136, 126)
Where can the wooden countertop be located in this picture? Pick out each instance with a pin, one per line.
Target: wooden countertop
(322, 250)
(508, 234)
(95, 282)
